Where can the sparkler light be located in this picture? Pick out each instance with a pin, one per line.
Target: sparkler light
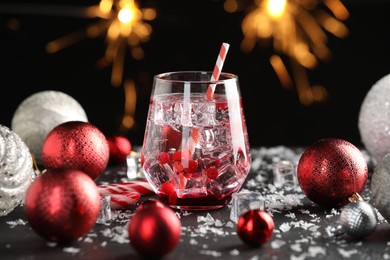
(123, 23)
(120, 21)
(298, 29)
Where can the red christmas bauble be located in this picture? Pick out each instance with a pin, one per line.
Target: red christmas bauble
(150, 203)
(330, 171)
(255, 227)
(76, 145)
(154, 231)
(120, 147)
(62, 205)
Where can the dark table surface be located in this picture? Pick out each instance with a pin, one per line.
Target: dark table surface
(300, 227)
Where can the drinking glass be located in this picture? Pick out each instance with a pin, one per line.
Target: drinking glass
(195, 152)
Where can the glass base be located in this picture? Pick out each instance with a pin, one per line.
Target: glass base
(195, 208)
(195, 203)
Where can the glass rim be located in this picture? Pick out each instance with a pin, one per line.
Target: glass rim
(227, 76)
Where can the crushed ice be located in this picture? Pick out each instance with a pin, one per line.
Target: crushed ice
(13, 224)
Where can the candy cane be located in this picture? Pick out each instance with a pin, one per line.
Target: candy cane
(124, 199)
(142, 187)
(125, 193)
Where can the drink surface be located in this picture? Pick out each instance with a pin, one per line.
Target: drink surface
(195, 152)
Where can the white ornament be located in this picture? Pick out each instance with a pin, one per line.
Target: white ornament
(380, 187)
(374, 119)
(39, 113)
(16, 170)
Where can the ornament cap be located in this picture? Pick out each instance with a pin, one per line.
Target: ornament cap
(355, 197)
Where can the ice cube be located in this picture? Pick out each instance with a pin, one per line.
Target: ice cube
(162, 112)
(207, 140)
(222, 138)
(194, 186)
(225, 183)
(244, 201)
(134, 168)
(158, 173)
(203, 114)
(222, 114)
(105, 210)
(285, 173)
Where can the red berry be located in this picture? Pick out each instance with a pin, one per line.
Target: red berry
(192, 166)
(181, 155)
(212, 172)
(163, 158)
(177, 167)
(172, 198)
(176, 156)
(217, 162)
(167, 188)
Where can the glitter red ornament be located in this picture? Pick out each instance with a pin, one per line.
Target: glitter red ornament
(120, 147)
(330, 171)
(150, 203)
(255, 227)
(62, 205)
(76, 145)
(154, 230)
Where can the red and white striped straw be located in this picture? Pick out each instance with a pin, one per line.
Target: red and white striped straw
(217, 69)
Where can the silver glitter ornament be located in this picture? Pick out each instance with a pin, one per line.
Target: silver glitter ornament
(374, 119)
(357, 219)
(380, 187)
(39, 113)
(16, 170)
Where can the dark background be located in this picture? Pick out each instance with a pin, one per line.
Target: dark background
(187, 36)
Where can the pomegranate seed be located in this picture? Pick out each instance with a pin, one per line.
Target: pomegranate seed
(192, 166)
(167, 188)
(177, 167)
(176, 156)
(163, 158)
(212, 173)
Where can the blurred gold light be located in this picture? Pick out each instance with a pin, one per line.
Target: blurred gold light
(123, 24)
(125, 15)
(281, 71)
(276, 8)
(230, 6)
(105, 6)
(130, 104)
(298, 29)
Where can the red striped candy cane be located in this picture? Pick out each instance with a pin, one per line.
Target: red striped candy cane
(125, 193)
(124, 199)
(142, 187)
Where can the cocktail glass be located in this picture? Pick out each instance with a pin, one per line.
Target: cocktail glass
(195, 152)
